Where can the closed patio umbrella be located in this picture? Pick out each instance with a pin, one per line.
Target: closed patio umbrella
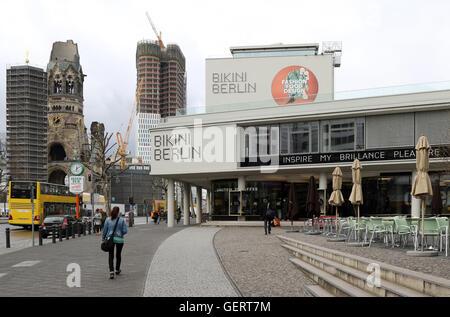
(312, 199)
(422, 185)
(436, 201)
(356, 196)
(336, 198)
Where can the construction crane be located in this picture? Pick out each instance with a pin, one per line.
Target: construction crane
(156, 32)
(123, 142)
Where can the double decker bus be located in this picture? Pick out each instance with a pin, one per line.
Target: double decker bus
(49, 199)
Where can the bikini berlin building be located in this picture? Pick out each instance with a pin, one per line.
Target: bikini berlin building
(272, 118)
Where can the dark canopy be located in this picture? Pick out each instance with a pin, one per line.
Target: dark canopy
(312, 199)
(436, 201)
(292, 204)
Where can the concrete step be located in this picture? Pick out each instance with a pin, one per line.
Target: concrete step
(355, 277)
(424, 284)
(317, 291)
(328, 281)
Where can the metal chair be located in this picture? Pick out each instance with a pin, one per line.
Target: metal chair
(443, 233)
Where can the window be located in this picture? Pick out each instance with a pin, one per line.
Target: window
(343, 135)
(299, 137)
(260, 141)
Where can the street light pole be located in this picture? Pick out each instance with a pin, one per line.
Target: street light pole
(32, 214)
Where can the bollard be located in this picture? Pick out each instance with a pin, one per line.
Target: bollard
(53, 234)
(89, 228)
(8, 240)
(67, 231)
(60, 233)
(40, 236)
(79, 229)
(84, 229)
(73, 231)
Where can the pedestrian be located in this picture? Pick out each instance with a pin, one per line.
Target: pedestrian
(117, 236)
(104, 216)
(97, 221)
(268, 214)
(159, 217)
(178, 214)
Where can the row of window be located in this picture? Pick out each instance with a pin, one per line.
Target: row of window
(305, 137)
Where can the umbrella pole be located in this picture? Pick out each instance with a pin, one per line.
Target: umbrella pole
(423, 222)
(359, 227)
(336, 221)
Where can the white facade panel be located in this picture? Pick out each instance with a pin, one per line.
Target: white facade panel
(269, 81)
(145, 122)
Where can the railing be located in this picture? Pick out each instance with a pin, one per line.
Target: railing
(341, 95)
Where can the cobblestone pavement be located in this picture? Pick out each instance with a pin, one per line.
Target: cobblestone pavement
(186, 265)
(439, 266)
(257, 263)
(47, 274)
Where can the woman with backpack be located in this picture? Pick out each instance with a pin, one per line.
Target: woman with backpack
(115, 228)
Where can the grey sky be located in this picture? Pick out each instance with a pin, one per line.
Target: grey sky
(385, 43)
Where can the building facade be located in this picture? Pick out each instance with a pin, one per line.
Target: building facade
(163, 94)
(135, 183)
(26, 123)
(67, 136)
(241, 155)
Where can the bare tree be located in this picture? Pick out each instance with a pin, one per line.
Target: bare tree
(103, 158)
(160, 183)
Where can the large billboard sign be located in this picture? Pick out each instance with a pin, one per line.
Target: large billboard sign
(269, 81)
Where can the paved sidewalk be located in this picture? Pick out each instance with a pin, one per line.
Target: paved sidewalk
(45, 274)
(186, 265)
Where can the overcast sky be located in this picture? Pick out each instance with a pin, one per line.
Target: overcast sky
(384, 43)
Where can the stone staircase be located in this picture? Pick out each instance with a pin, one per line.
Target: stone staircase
(345, 275)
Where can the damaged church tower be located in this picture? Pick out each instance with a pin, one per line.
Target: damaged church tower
(67, 136)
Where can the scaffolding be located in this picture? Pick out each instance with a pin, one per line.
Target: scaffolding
(26, 123)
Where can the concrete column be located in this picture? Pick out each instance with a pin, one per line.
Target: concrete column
(199, 204)
(186, 203)
(323, 190)
(415, 203)
(208, 202)
(241, 183)
(170, 202)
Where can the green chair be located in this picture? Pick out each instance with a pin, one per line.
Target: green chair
(388, 223)
(443, 232)
(343, 225)
(431, 228)
(403, 230)
(351, 222)
(375, 227)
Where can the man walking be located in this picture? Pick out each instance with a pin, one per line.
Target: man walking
(268, 213)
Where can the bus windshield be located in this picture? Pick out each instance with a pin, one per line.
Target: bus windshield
(22, 190)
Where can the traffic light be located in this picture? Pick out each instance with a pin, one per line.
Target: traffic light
(130, 200)
(89, 177)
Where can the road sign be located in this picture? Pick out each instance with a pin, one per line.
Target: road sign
(76, 184)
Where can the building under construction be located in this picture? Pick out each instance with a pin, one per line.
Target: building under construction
(163, 71)
(26, 123)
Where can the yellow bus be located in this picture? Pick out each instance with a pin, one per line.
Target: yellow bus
(49, 199)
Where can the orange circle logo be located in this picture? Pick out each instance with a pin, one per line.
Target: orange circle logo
(294, 84)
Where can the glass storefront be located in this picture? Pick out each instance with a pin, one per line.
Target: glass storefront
(387, 194)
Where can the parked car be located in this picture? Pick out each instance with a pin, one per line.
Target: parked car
(64, 221)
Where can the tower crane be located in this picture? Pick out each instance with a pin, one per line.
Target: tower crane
(154, 30)
(122, 142)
